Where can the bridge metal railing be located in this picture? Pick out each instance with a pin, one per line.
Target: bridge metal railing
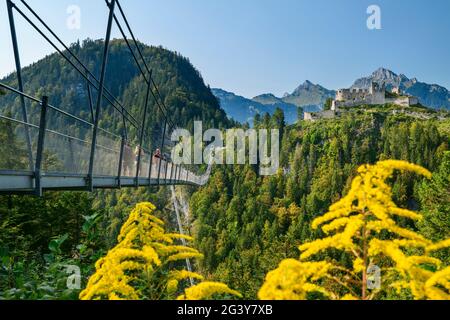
(59, 152)
(45, 147)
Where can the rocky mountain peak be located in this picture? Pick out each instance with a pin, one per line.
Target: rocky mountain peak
(384, 74)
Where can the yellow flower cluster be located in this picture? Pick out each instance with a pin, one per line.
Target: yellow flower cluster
(413, 275)
(293, 280)
(371, 194)
(178, 275)
(368, 204)
(207, 290)
(352, 225)
(438, 246)
(143, 246)
(435, 286)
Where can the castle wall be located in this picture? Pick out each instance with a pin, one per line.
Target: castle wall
(307, 116)
(403, 101)
(376, 94)
(378, 98)
(328, 114)
(413, 101)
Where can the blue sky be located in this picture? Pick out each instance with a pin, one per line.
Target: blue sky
(257, 46)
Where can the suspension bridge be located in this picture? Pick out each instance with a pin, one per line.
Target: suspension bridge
(46, 147)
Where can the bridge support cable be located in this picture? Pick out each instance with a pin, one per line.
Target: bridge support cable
(119, 6)
(79, 168)
(181, 229)
(157, 97)
(100, 95)
(40, 147)
(162, 149)
(149, 80)
(107, 94)
(91, 104)
(119, 174)
(162, 106)
(141, 138)
(15, 45)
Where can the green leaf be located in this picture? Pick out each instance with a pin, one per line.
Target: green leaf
(55, 245)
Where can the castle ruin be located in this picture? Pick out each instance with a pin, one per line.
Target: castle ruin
(376, 94)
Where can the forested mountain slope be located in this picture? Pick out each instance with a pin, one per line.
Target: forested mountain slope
(77, 228)
(246, 224)
(181, 85)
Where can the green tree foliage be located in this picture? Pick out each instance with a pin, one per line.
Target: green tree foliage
(13, 155)
(179, 83)
(328, 104)
(434, 198)
(39, 236)
(243, 223)
(246, 224)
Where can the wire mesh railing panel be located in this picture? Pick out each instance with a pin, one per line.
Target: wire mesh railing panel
(66, 144)
(107, 154)
(162, 172)
(154, 168)
(167, 172)
(17, 137)
(129, 161)
(14, 151)
(144, 164)
(64, 154)
(183, 175)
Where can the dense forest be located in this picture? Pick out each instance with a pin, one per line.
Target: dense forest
(245, 225)
(38, 236)
(242, 225)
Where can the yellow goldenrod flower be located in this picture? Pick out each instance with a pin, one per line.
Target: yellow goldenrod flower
(144, 247)
(207, 290)
(438, 246)
(293, 280)
(441, 279)
(184, 274)
(358, 265)
(184, 256)
(172, 286)
(352, 225)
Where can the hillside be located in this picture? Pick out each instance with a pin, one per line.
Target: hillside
(38, 235)
(246, 224)
(243, 110)
(243, 224)
(430, 95)
(310, 95)
(181, 86)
